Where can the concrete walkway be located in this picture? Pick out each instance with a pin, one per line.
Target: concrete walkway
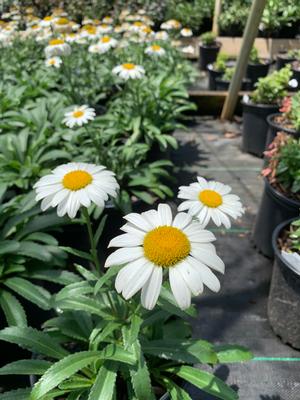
(238, 313)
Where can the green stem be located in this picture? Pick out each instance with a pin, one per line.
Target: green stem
(94, 253)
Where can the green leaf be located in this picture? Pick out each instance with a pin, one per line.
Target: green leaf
(88, 275)
(112, 271)
(33, 293)
(33, 340)
(205, 381)
(117, 353)
(175, 391)
(60, 277)
(73, 290)
(82, 303)
(62, 370)
(232, 353)
(26, 367)
(99, 230)
(78, 253)
(104, 385)
(8, 246)
(34, 250)
(167, 302)
(190, 351)
(19, 394)
(13, 310)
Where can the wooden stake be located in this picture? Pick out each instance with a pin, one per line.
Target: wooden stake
(217, 12)
(249, 36)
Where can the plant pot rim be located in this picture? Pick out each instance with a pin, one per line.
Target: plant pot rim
(250, 103)
(279, 228)
(279, 196)
(216, 45)
(273, 124)
(281, 56)
(266, 62)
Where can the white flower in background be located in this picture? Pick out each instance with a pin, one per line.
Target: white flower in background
(208, 200)
(129, 71)
(188, 49)
(79, 116)
(162, 35)
(73, 185)
(155, 242)
(170, 24)
(106, 43)
(57, 47)
(90, 32)
(155, 50)
(293, 259)
(186, 32)
(107, 20)
(104, 28)
(71, 37)
(53, 62)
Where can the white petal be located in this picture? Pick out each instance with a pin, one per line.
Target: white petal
(151, 289)
(181, 220)
(127, 240)
(179, 288)
(191, 276)
(209, 258)
(139, 221)
(138, 280)
(208, 277)
(165, 214)
(125, 275)
(123, 256)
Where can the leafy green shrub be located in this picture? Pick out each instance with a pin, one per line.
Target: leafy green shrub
(254, 57)
(220, 63)
(295, 236)
(234, 16)
(272, 88)
(208, 39)
(283, 169)
(229, 72)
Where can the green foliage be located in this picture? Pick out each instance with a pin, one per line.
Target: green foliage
(234, 16)
(254, 57)
(208, 39)
(228, 74)
(272, 88)
(294, 114)
(220, 63)
(295, 236)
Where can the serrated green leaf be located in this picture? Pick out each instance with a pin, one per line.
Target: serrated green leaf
(13, 310)
(104, 385)
(19, 394)
(33, 340)
(25, 367)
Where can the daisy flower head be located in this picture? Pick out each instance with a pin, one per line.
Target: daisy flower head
(73, 185)
(186, 32)
(153, 243)
(106, 43)
(129, 71)
(155, 50)
(105, 28)
(162, 35)
(80, 115)
(57, 47)
(53, 62)
(208, 200)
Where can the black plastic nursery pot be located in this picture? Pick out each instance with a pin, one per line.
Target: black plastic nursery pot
(275, 127)
(296, 73)
(255, 126)
(274, 209)
(284, 296)
(208, 55)
(282, 60)
(212, 76)
(256, 71)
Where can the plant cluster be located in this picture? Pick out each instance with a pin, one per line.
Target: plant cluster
(272, 88)
(283, 168)
(221, 62)
(294, 236)
(254, 57)
(228, 74)
(291, 110)
(208, 39)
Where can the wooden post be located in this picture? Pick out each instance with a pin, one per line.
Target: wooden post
(217, 12)
(249, 36)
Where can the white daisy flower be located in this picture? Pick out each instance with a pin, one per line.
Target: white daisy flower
(155, 50)
(79, 116)
(162, 35)
(207, 200)
(53, 62)
(57, 47)
(170, 24)
(73, 185)
(129, 71)
(104, 28)
(107, 20)
(186, 32)
(106, 43)
(155, 242)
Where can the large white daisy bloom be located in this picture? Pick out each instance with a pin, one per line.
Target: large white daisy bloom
(53, 62)
(57, 47)
(161, 35)
(103, 45)
(155, 50)
(186, 32)
(46, 22)
(207, 200)
(129, 71)
(79, 116)
(104, 28)
(155, 242)
(73, 185)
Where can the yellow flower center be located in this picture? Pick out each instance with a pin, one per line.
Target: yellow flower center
(105, 39)
(35, 27)
(62, 21)
(138, 23)
(78, 114)
(76, 180)
(210, 198)
(48, 18)
(52, 61)
(147, 29)
(55, 42)
(128, 66)
(104, 26)
(155, 47)
(165, 246)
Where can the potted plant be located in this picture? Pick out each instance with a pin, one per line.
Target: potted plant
(265, 100)
(223, 82)
(106, 341)
(284, 297)
(286, 57)
(281, 196)
(209, 49)
(217, 69)
(257, 67)
(296, 70)
(288, 120)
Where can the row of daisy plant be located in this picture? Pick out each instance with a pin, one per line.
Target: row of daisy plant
(106, 342)
(87, 115)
